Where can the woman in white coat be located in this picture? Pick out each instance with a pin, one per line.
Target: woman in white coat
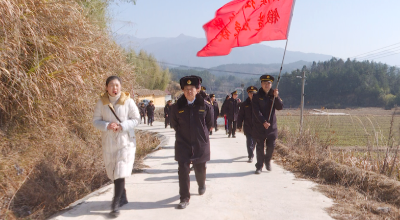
(116, 115)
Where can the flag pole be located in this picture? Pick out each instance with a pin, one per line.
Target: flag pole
(277, 82)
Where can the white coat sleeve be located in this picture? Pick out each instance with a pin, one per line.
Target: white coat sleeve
(133, 117)
(98, 117)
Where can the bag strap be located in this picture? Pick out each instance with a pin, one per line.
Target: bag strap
(112, 110)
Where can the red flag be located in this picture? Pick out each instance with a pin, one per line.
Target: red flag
(241, 23)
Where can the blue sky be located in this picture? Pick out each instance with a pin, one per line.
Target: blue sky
(341, 28)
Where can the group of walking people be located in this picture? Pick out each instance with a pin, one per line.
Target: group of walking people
(193, 117)
(147, 110)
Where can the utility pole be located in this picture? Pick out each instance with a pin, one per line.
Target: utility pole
(303, 79)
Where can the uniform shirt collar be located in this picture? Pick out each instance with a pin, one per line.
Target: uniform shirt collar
(191, 102)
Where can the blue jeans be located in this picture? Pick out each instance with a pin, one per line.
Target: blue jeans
(250, 145)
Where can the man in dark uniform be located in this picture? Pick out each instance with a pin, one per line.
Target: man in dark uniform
(167, 110)
(223, 109)
(265, 130)
(192, 119)
(246, 115)
(142, 111)
(203, 92)
(150, 113)
(232, 111)
(214, 103)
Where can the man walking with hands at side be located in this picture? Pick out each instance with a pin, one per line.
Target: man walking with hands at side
(265, 129)
(232, 110)
(192, 119)
(246, 116)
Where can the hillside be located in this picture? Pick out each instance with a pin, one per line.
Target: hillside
(182, 50)
(255, 69)
(54, 59)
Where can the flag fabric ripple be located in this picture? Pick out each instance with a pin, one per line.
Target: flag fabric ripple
(241, 23)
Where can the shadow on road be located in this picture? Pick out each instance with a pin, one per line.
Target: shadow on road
(102, 208)
(210, 175)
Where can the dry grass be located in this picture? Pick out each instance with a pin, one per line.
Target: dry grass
(358, 191)
(53, 65)
(146, 143)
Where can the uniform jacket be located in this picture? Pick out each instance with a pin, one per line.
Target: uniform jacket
(246, 116)
(205, 96)
(167, 110)
(150, 110)
(192, 125)
(223, 107)
(216, 110)
(232, 109)
(261, 105)
(118, 148)
(142, 110)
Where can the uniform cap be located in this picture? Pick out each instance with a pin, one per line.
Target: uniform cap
(267, 78)
(212, 95)
(252, 89)
(203, 88)
(189, 80)
(234, 92)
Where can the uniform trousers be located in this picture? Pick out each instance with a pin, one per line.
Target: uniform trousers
(184, 179)
(263, 157)
(232, 127)
(250, 145)
(166, 121)
(215, 124)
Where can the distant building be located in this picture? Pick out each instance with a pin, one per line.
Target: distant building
(157, 96)
(167, 95)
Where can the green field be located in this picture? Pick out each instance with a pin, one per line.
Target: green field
(349, 130)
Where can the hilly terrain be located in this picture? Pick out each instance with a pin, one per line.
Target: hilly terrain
(182, 50)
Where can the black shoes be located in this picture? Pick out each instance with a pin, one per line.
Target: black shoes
(115, 207)
(124, 200)
(268, 166)
(233, 136)
(216, 129)
(210, 132)
(229, 136)
(202, 190)
(258, 171)
(182, 205)
(250, 160)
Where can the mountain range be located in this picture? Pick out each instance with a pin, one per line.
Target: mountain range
(182, 50)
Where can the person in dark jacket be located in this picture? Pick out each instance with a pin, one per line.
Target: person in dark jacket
(167, 110)
(192, 119)
(223, 107)
(203, 92)
(142, 111)
(150, 113)
(214, 103)
(246, 115)
(231, 111)
(265, 129)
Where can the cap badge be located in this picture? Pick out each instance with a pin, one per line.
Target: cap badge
(189, 82)
(267, 77)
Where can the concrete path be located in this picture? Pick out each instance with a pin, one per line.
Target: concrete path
(233, 190)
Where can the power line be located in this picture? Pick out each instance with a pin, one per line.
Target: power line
(387, 53)
(394, 49)
(374, 50)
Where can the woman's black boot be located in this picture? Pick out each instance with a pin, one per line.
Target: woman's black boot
(124, 200)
